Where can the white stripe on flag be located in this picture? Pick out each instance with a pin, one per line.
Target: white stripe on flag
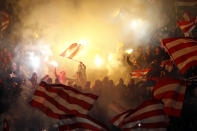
(62, 101)
(146, 109)
(170, 87)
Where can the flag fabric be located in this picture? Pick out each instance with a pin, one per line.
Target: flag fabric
(187, 25)
(71, 51)
(167, 64)
(5, 125)
(119, 119)
(57, 100)
(5, 18)
(171, 92)
(83, 123)
(183, 52)
(186, 2)
(148, 115)
(139, 73)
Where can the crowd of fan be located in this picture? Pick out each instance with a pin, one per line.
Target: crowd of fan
(149, 57)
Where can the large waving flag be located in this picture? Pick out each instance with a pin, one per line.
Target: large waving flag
(148, 115)
(183, 51)
(139, 73)
(187, 25)
(186, 2)
(59, 100)
(5, 18)
(82, 123)
(71, 51)
(171, 92)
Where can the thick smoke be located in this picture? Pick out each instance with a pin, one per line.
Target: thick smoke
(106, 25)
(102, 24)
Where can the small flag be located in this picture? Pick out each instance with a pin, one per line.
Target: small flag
(5, 125)
(139, 73)
(167, 64)
(183, 52)
(187, 25)
(148, 115)
(186, 2)
(171, 92)
(82, 123)
(5, 18)
(71, 51)
(57, 100)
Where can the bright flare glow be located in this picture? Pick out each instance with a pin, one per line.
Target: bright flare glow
(83, 42)
(134, 24)
(34, 60)
(54, 63)
(68, 53)
(110, 57)
(98, 61)
(129, 51)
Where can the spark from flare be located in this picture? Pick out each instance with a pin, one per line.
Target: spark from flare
(129, 51)
(54, 63)
(98, 61)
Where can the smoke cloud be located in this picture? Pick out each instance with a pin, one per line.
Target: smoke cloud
(109, 27)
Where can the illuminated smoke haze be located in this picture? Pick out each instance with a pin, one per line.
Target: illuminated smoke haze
(109, 27)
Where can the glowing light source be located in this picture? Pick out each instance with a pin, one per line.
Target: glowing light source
(67, 53)
(139, 124)
(83, 42)
(134, 24)
(34, 60)
(54, 63)
(110, 57)
(98, 61)
(129, 51)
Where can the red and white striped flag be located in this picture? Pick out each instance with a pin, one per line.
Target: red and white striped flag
(5, 125)
(71, 51)
(171, 92)
(187, 26)
(58, 100)
(5, 18)
(119, 119)
(148, 115)
(183, 52)
(168, 64)
(186, 2)
(139, 73)
(83, 123)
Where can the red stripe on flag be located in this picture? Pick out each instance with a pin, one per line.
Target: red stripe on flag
(55, 103)
(70, 99)
(92, 96)
(44, 109)
(181, 46)
(148, 113)
(58, 100)
(188, 66)
(71, 51)
(145, 115)
(183, 51)
(187, 26)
